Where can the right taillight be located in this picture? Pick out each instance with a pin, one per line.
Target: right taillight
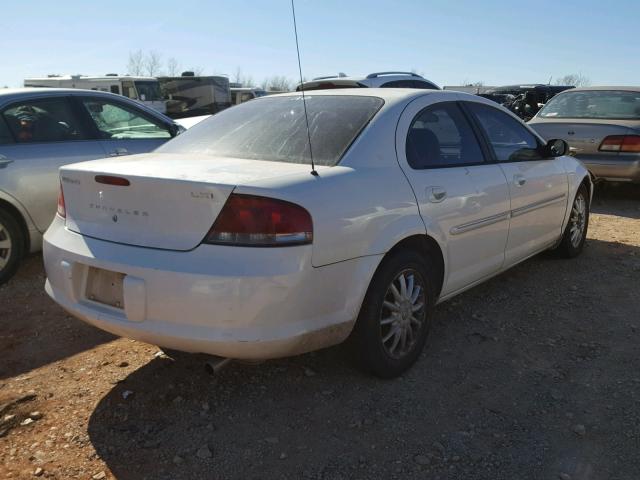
(621, 143)
(62, 211)
(253, 221)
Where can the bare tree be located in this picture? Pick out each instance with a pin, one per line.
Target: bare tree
(152, 63)
(574, 79)
(136, 63)
(242, 79)
(277, 83)
(173, 67)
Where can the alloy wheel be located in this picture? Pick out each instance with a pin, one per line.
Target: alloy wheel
(403, 313)
(5, 246)
(578, 219)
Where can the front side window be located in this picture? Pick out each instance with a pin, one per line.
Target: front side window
(598, 104)
(115, 121)
(45, 120)
(440, 136)
(274, 129)
(509, 139)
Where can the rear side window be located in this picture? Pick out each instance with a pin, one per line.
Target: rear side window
(275, 129)
(45, 120)
(440, 136)
(509, 139)
(5, 134)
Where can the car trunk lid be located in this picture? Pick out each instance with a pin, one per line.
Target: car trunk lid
(170, 201)
(583, 137)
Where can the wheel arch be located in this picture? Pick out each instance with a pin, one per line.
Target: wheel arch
(427, 245)
(19, 218)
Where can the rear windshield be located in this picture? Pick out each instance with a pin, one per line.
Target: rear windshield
(274, 129)
(599, 104)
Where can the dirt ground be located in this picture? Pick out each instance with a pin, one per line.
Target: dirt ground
(532, 375)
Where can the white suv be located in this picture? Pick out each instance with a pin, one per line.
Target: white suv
(379, 79)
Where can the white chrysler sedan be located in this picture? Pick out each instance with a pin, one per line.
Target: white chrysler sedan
(224, 240)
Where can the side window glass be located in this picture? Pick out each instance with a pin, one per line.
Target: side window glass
(397, 84)
(120, 122)
(510, 140)
(46, 120)
(115, 89)
(5, 134)
(440, 136)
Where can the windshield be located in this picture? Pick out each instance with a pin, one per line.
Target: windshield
(150, 90)
(599, 104)
(274, 129)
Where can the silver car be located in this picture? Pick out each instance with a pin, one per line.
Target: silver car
(601, 126)
(44, 128)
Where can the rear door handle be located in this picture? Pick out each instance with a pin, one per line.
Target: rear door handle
(436, 194)
(118, 152)
(519, 180)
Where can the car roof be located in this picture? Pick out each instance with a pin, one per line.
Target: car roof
(613, 87)
(389, 95)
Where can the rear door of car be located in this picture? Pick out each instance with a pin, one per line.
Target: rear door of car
(463, 200)
(538, 186)
(45, 132)
(123, 128)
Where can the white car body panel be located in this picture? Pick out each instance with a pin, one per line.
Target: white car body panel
(254, 303)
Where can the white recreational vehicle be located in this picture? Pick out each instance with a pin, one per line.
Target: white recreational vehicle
(145, 90)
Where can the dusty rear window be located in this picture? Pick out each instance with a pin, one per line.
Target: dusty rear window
(600, 104)
(274, 129)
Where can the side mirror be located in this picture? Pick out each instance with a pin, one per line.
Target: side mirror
(176, 129)
(556, 148)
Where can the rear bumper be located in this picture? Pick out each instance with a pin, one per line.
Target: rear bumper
(620, 168)
(245, 303)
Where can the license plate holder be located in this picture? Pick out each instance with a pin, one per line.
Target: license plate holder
(105, 287)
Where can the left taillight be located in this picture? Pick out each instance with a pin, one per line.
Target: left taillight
(62, 211)
(253, 221)
(621, 143)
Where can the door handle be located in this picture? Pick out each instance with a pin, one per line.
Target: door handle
(519, 180)
(118, 152)
(436, 194)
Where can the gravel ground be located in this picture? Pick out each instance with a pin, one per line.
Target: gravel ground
(532, 375)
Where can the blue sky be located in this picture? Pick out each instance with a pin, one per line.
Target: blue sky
(494, 41)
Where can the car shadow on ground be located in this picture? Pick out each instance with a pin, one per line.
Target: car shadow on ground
(622, 199)
(513, 371)
(34, 331)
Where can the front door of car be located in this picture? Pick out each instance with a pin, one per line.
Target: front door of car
(43, 134)
(463, 201)
(538, 186)
(124, 129)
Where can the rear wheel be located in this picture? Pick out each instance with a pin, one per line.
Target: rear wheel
(396, 314)
(575, 233)
(11, 246)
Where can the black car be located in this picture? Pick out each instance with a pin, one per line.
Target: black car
(524, 100)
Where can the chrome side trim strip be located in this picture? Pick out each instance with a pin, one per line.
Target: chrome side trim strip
(483, 222)
(536, 205)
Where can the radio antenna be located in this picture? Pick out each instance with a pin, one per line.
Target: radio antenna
(304, 100)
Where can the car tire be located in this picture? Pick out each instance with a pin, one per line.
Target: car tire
(394, 320)
(575, 233)
(11, 246)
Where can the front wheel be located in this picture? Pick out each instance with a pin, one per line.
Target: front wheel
(11, 246)
(575, 233)
(394, 320)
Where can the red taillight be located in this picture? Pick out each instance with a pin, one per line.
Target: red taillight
(248, 220)
(621, 143)
(62, 211)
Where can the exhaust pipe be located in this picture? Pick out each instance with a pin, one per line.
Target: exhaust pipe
(214, 365)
